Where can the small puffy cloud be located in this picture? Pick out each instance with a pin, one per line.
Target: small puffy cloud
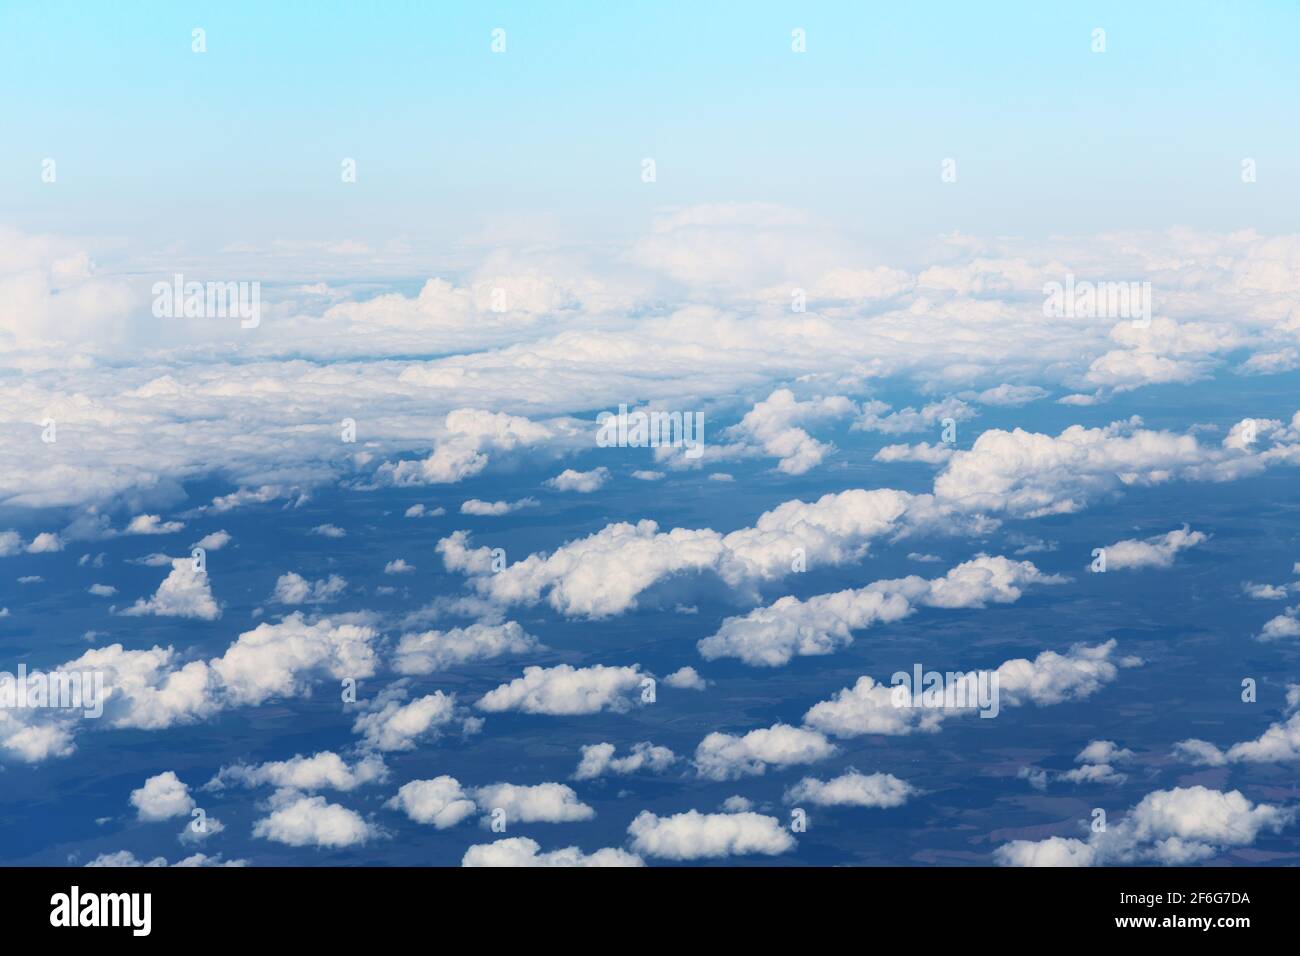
(852, 789)
(923, 452)
(292, 588)
(1011, 395)
(727, 757)
(1284, 625)
(44, 543)
(471, 436)
(325, 770)
(772, 426)
(420, 511)
(583, 482)
(102, 590)
(185, 592)
(432, 651)
(1155, 552)
(299, 820)
(153, 524)
(439, 802)
(1264, 592)
(1279, 743)
(541, 803)
(521, 851)
(686, 678)
(877, 417)
(162, 797)
(329, 531)
(694, 835)
(393, 725)
(213, 542)
(646, 475)
(125, 858)
(832, 530)
(1173, 827)
(494, 509)
(770, 636)
(599, 760)
(869, 707)
(564, 690)
(398, 566)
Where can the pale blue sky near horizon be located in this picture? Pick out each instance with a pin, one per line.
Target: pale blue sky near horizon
(157, 145)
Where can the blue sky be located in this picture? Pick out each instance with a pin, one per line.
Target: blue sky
(909, 459)
(247, 138)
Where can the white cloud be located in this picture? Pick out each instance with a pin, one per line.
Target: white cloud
(102, 590)
(583, 482)
(1280, 743)
(398, 566)
(299, 820)
(153, 524)
(470, 435)
(541, 803)
(213, 542)
(1179, 826)
(495, 509)
(772, 427)
(185, 592)
(868, 707)
(694, 835)
(1154, 552)
(393, 725)
(599, 760)
(440, 802)
(431, 651)
(292, 588)
(162, 797)
(852, 789)
(564, 689)
(727, 757)
(686, 678)
(770, 636)
(1286, 624)
(604, 573)
(521, 851)
(324, 770)
(44, 543)
(329, 531)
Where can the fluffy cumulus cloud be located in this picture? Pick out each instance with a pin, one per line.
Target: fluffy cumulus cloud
(604, 573)
(155, 689)
(185, 592)
(1155, 552)
(772, 428)
(392, 723)
(470, 436)
(325, 770)
(1175, 827)
(162, 797)
(583, 482)
(521, 851)
(852, 789)
(1279, 743)
(430, 651)
(772, 635)
(292, 588)
(598, 760)
(695, 836)
(299, 820)
(540, 803)
(722, 756)
(869, 707)
(439, 802)
(564, 690)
